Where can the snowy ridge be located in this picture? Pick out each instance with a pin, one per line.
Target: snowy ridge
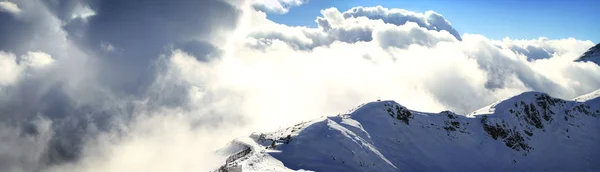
(592, 55)
(247, 155)
(528, 132)
(589, 96)
(592, 99)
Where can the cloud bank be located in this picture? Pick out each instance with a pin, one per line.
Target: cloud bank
(115, 86)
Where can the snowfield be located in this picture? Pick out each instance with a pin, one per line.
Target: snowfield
(528, 132)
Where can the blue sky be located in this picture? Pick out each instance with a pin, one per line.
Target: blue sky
(496, 19)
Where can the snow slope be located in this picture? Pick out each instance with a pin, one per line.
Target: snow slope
(592, 55)
(590, 96)
(528, 132)
(591, 99)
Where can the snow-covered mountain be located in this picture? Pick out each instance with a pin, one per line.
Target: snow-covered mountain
(593, 55)
(528, 132)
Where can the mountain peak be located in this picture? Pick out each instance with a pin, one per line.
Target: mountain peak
(513, 133)
(507, 103)
(593, 55)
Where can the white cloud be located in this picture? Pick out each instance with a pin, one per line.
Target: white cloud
(37, 59)
(543, 47)
(355, 25)
(9, 7)
(276, 6)
(429, 20)
(426, 69)
(402, 37)
(9, 69)
(82, 12)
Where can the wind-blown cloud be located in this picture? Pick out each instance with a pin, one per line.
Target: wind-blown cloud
(101, 85)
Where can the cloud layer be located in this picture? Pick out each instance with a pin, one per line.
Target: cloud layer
(91, 85)
(459, 74)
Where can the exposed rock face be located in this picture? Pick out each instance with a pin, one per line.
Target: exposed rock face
(592, 55)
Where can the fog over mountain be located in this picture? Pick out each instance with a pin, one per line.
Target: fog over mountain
(158, 85)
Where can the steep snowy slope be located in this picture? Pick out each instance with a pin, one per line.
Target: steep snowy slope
(593, 55)
(529, 132)
(592, 99)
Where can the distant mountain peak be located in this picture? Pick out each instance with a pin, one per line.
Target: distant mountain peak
(593, 55)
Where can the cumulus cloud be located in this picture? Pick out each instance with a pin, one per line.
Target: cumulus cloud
(9, 67)
(9, 7)
(37, 59)
(114, 86)
(356, 25)
(430, 19)
(402, 37)
(276, 6)
(12, 68)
